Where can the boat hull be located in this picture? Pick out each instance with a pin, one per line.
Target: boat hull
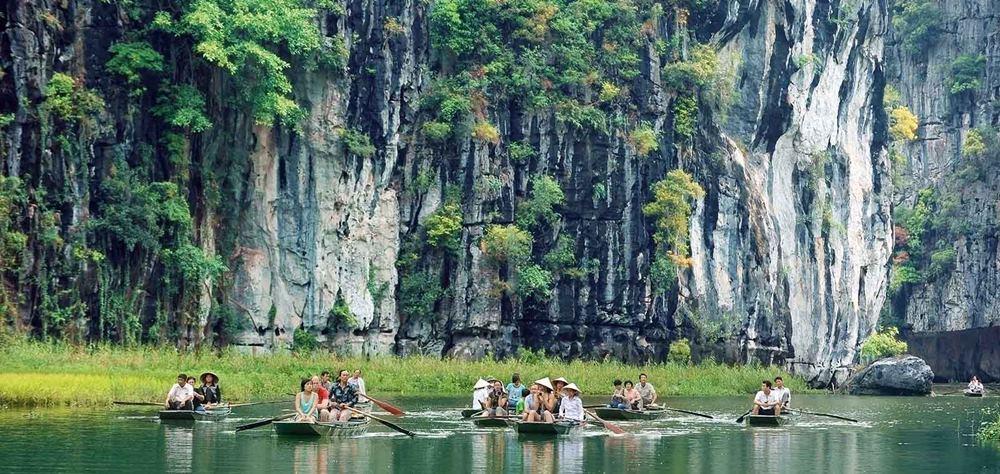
(626, 415)
(333, 429)
(191, 415)
(765, 420)
(535, 428)
(470, 412)
(974, 394)
(492, 422)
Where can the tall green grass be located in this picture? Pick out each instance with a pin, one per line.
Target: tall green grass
(34, 373)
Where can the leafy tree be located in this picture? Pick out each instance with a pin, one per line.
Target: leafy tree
(534, 282)
(884, 343)
(444, 227)
(418, 293)
(644, 140)
(540, 208)
(680, 352)
(974, 144)
(671, 210)
(507, 243)
(965, 73)
(131, 59)
(903, 124)
(918, 23)
(357, 143)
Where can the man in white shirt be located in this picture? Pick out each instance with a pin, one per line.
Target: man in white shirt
(975, 386)
(180, 395)
(765, 403)
(782, 393)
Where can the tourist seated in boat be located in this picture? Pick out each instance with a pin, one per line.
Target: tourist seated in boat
(975, 386)
(555, 398)
(479, 392)
(633, 400)
(519, 409)
(646, 390)
(782, 393)
(180, 395)
(514, 389)
(210, 389)
(307, 403)
(325, 380)
(537, 402)
(765, 402)
(324, 398)
(342, 397)
(618, 396)
(571, 407)
(358, 382)
(496, 399)
(198, 400)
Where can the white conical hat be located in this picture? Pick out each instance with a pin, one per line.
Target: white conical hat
(573, 387)
(480, 384)
(545, 383)
(560, 379)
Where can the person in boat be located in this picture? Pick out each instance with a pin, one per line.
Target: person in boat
(198, 400)
(358, 382)
(210, 389)
(324, 380)
(618, 396)
(479, 392)
(180, 395)
(555, 398)
(571, 407)
(496, 399)
(323, 405)
(765, 402)
(975, 386)
(536, 403)
(633, 400)
(519, 409)
(514, 389)
(342, 397)
(782, 393)
(307, 402)
(646, 390)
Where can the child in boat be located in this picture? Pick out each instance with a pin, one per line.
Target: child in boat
(519, 409)
(306, 403)
(617, 396)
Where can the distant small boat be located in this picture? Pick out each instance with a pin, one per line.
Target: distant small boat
(338, 428)
(973, 394)
(195, 415)
(619, 414)
(765, 420)
(545, 429)
(492, 421)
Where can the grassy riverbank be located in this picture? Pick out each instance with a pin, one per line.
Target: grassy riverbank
(33, 374)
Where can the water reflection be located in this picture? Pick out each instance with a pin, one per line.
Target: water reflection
(570, 454)
(178, 442)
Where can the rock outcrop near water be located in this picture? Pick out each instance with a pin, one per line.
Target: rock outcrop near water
(789, 246)
(906, 375)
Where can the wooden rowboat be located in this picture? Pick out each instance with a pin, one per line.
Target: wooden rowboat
(973, 394)
(470, 412)
(619, 414)
(195, 415)
(538, 428)
(492, 421)
(335, 429)
(765, 420)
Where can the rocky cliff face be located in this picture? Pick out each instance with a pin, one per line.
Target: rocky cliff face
(964, 295)
(789, 246)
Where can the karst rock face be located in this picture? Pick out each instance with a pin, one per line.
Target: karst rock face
(790, 244)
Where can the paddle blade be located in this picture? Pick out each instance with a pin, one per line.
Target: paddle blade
(258, 424)
(740, 419)
(385, 422)
(613, 427)
(391, 409)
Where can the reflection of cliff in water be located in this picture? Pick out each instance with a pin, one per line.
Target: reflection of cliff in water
(955, 356)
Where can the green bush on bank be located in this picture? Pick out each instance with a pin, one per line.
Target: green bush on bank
(35, 373)
(991, 429)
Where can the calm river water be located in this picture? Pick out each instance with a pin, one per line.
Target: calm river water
(903, 435)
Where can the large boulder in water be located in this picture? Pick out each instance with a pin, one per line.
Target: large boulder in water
(904, 375)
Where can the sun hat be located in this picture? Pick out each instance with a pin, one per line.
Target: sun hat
(560, 379)
(215, 378)
(480, 384)
(572, 387)
(492, 379)
(545, 383)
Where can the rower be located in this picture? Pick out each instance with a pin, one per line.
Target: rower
(646, 390)
(514, 389)
(617, 396)
(210, 389)
(782, 393)
(342, 397)
(571, 407)
(180, 395)
(765, 402)
(496, 399)
(479, 394)
(975, 386)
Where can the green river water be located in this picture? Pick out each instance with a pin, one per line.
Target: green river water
(895, 435)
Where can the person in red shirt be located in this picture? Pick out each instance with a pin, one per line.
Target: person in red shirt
(324, 399)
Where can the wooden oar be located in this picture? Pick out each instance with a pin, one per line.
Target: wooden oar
(392, 409)
(826, 415)
(141, 404)
(949, 393)
(234, 405)
(690, 412)
(258, 424)
(384, 422)
(607, 424)
(740, 419)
